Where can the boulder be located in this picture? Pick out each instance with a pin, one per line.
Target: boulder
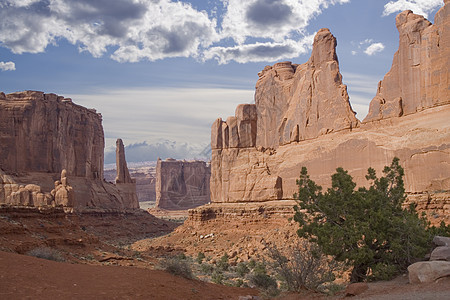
(441, 253)
(441, 241)
(428, 271)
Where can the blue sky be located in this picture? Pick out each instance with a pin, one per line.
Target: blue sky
(161, 71)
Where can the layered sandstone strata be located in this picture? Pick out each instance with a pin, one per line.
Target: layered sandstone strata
(42, 134)
(419, 76)
(182, 185)
(303, 118)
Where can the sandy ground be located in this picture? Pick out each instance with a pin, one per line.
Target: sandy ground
(25, 277)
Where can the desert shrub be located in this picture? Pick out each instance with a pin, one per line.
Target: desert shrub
(251, 264)
(223, 263)
(217, 277)
(200, 257)
(239, 282)
(303, 267)
(264, 282)
(177, 266)
(46, 253)
(366, 228)
(206, 268)
(242, 269)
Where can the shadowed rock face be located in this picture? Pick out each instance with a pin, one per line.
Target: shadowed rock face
(42, 134)
(303, 118)
(123, 175)
(47, 133)
(182, 184)
(419, 76)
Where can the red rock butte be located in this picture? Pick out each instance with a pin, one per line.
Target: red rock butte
(51, 153)
(302, 117)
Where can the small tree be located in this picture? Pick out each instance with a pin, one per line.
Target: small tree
(365, 228)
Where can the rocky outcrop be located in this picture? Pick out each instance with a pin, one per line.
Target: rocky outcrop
(145, 176)
(123, 175)
(303, 118)
(124, 183)
(300, 102)
(63, 192)
(419, 76)
(40, 136)
(182, 185)
(47, 133)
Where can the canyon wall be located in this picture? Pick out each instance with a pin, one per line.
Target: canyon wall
(302, 117)
(182, 185)
(40, 136)
(419, 76)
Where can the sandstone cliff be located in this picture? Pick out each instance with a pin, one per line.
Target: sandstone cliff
(303, 118)
(42, 134)
(419, 76)
(182, 185)
(124, 183)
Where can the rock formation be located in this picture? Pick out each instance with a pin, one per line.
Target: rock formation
(145, 176)
(419, 76)
(46, 133)
(63, 192)
(303, 118)
(124, 182)
(123, 175)
(42, 134)
(182, 185)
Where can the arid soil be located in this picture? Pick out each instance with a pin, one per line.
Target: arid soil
(24, 277)
(115, 256)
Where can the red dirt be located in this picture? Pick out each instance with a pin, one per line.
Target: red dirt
(28, 277)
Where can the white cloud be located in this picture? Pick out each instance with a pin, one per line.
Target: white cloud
(155, 114)
(140, 29)
(269, 51)
(135, 30)
(272, 19)
(7, 66)
(374, 48)
(420, 7)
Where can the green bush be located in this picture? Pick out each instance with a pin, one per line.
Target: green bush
(177, 266)
(46, 253)
(217, 277)
(223, 263)
(366, 228)
(200, 257)
(242, 269)
(206, 268)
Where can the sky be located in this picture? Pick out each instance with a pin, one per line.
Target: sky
(161, 71)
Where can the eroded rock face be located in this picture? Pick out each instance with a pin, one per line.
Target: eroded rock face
(419, 76)
(46, 133)
(42, 134)
(124, 182)
(182, 184)
(300, 102)
(63, 192)
(123, 175)
(304, 119)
